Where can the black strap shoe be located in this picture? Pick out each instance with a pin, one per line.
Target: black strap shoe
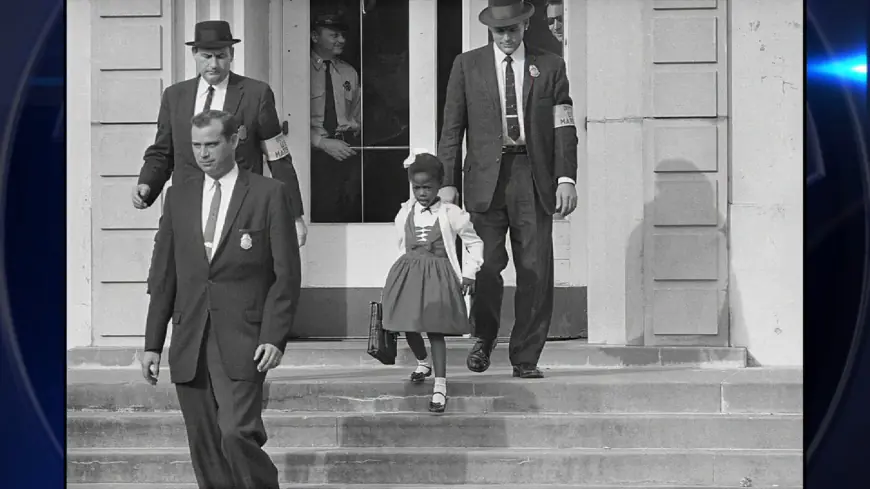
(527, 372)
(438, 407)
(417, 377)
(479, 357)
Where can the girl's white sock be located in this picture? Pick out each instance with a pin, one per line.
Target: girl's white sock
(423, 367)
(440, 388)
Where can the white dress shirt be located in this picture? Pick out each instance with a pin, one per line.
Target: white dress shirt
(217, 100)
(228, 183)
(424, 219)
(519, 65)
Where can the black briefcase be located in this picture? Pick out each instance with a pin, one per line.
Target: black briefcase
(382, 344)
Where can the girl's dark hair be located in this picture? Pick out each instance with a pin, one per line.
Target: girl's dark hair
(429, 164)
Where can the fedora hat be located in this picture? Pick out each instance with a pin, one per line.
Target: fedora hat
(504, 13)
(212, 34)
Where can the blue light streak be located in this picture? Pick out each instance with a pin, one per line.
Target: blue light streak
(846, 69)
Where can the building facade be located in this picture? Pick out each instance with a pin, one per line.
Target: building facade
(689, 116)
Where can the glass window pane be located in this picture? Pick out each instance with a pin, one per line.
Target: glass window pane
(369, 77)
(336, 97)
(386, 109)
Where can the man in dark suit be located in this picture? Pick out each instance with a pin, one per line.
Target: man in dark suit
(251, 101)
(226, 271)
(512, 103)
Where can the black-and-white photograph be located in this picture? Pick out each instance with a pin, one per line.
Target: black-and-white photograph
(420, 243)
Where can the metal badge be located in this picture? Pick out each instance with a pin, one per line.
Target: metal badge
(246, 242)
(347, 86)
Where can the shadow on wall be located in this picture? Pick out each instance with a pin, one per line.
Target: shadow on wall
(691, 276)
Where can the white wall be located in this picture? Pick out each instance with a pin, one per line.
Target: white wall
(766, 211)
(78, 183)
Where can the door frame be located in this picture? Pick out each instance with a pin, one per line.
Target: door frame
(353, 254)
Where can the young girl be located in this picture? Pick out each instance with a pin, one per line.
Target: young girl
(424, 291)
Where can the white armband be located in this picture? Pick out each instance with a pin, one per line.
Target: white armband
(563, 115)
(275, 148)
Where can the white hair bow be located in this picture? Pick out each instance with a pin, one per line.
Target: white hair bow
(413, 156)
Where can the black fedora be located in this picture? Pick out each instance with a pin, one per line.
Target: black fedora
(212, 34)
(504, 13)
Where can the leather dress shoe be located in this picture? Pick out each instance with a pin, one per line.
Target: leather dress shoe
(478, 359)
(527, 372)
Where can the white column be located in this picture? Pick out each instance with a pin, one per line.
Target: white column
(575, 59)
(191, 17)
(215, 10)
(423, 67)
(766, 211)
(615, 93)
(276, 52)
(78, 183)
(296, 87)
(474, 34)
(237, 17)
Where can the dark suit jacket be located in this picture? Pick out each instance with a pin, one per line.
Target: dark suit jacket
(473, 106)
(250, 295)
(171, 155)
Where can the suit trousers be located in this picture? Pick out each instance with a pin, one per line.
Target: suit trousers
(516, 208)
(224, 424)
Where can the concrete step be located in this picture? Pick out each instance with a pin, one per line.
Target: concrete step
(352, 353)
(327, 430)
(462, 466)
(662, 390)
(415, 486)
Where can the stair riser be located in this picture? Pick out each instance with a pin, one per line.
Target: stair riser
(452, 431)
(457, 468)
(470, 397)
(554, 355)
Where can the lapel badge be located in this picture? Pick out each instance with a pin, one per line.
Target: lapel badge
(243, 132)
(246, 242)
(533, 70)
(347, 86)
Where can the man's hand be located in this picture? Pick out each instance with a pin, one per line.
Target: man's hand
(336, 148)
(140, 193)
(448, 194)
(151, 366)
(566, 199)
(268, 356)
(468, 286)
(301, 231)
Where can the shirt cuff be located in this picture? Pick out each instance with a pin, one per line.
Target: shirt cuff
(567, 180)
(316, 139)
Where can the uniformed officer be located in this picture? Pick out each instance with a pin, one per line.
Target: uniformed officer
(336, 170)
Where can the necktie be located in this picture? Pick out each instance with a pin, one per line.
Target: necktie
(211, 223)
(208, 98)
(330, 120)
(510, 97)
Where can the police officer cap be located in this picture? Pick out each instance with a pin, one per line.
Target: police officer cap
(332, 21)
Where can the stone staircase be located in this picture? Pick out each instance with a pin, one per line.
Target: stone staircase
(605, 417)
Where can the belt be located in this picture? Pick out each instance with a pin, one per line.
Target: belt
(514, 150)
